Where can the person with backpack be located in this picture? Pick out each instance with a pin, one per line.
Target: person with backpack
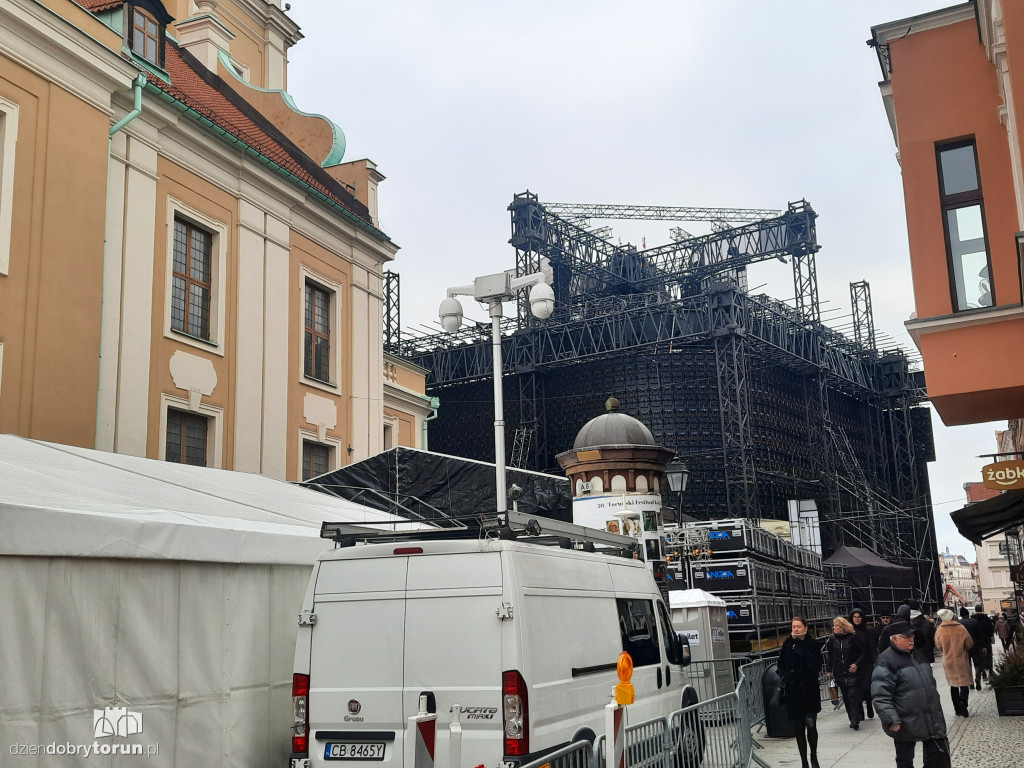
(983, 646)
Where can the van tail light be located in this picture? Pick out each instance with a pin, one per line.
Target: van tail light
(515, 714)
(300, 714)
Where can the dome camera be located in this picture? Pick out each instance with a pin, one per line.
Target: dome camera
(451, 314)
(542, 300)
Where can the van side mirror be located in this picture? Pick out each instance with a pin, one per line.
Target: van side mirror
(684, 649)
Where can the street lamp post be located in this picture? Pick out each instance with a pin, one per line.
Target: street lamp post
(678, 476)
(492, 290)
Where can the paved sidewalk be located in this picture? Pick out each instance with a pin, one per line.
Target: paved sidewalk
(983, 740)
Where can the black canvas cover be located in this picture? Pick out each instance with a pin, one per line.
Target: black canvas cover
(421, 484)
(865, 568)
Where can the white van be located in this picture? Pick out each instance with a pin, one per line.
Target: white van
(523, 637)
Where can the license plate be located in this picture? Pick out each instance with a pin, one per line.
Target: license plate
(362, 750)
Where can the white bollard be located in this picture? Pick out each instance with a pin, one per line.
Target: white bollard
(420, 738)
(615, 740)
(455, 738)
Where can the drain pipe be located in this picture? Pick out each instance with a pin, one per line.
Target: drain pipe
(138, 84)
(435, 403)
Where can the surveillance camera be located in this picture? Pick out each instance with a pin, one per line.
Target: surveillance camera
(542, 300)
(515, 492)
(451, 314)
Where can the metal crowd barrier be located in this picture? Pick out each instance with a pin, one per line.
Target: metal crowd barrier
(714, 733)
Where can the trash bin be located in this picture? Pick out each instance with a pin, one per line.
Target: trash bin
(777, 723)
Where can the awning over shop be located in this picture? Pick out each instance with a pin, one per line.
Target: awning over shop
(983, 519)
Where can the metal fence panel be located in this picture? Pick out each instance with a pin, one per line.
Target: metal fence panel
(579, 754)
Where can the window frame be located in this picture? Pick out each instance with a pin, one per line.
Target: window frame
(645, 652)
(188, 417)
(335, 358)
(190, 280)
(131, 28)
(333, 444)
(217, 342)
(311, 444)
(8, 151)
(955, 202)
(214, 430)
(314, 294)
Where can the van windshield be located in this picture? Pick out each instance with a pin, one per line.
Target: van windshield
(639, 630)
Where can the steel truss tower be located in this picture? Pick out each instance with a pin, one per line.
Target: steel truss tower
(765, 402)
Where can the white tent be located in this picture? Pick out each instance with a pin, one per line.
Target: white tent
(170, 590)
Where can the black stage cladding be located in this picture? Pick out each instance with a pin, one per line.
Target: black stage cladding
(423, 484)
(675, 394)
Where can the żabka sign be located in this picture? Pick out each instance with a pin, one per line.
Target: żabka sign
(1003, 475)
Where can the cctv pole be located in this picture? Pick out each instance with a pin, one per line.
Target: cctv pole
(499, 407)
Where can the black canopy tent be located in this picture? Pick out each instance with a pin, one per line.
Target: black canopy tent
(423, 485)
(983, 519)
(876, 585)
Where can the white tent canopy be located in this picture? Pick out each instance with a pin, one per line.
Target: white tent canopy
(58, 500)
(170, 590)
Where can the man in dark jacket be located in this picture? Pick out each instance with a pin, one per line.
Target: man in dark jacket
(907, 701)
(902, 614)
(982, 645)
(924, 642)
(971, 625)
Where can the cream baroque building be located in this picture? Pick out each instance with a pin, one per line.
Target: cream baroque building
(188, 270)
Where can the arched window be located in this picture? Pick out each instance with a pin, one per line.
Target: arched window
(641, 483)
(596, 484)
(618, 484)
(579, 487)
(655, 485)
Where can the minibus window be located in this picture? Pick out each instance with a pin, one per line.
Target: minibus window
(639, 630)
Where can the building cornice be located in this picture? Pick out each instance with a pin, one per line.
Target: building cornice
(886, 33)
(918, 327)
(53, 48)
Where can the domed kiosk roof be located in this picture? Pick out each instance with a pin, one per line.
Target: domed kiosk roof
(613, 428)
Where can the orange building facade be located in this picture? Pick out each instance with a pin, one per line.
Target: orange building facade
(188, 269)
(954, 107)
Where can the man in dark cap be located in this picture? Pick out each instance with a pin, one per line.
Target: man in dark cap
(907, 701)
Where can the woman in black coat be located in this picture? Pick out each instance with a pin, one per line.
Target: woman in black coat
(844, 658)
(860, 625)
(799, 666)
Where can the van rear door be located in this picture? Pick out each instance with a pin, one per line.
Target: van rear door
(453, 648)
(356, 712)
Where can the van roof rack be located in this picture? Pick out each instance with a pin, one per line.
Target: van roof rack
(508, 525)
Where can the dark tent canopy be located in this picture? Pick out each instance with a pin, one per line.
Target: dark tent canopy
(876, 585)
(420, 484)
(983, 519)
(868, 569)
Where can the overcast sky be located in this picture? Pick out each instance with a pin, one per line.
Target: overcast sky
(720, 103)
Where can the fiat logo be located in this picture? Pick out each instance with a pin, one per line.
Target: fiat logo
(354, 707)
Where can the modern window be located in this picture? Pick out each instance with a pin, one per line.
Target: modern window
(145, 36)
(963, 214)
(187, 438)
(317, 345)
(316, 459)
(191, 287)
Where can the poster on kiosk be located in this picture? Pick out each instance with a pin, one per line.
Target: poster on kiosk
(629, 514)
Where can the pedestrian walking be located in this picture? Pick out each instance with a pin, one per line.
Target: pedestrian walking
(799, 666)
(902, 614)
(971, 625)
(983, 646)
(907, 701)
(869, 640)
(925, 639)
(844, 658)
(1004, 632)
(955, 643)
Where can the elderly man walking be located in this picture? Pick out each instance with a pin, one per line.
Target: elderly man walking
(907, 701)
